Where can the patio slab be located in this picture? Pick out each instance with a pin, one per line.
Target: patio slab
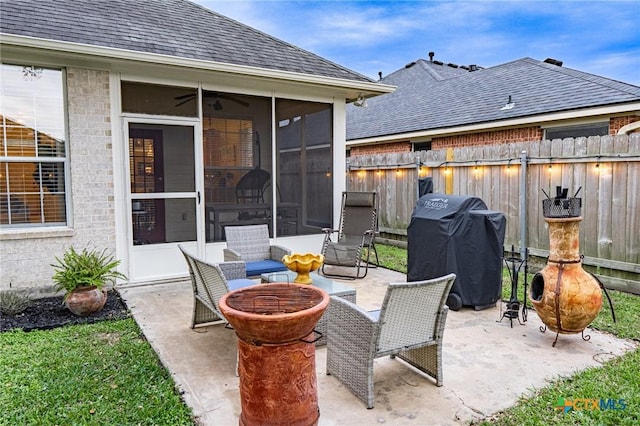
(488, 365)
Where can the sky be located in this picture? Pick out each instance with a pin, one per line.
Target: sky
(599, 37)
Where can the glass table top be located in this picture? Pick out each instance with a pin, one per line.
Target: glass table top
(332, 287)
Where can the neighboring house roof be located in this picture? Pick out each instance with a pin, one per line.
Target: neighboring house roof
(433, 95)
(177, 28)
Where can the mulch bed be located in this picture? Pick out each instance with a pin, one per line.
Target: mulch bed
(50, 312)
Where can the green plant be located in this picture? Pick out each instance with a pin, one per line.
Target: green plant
(14, 301)
(88, 267)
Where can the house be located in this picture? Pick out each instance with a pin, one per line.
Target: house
(140, 125)
(443, 105)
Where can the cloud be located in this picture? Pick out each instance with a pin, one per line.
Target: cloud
(371, 36)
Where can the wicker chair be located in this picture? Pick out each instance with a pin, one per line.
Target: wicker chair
(250, 244)
(355, 235)
(211, 282)
(410, 325)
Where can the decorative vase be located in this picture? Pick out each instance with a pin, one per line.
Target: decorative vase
(276, 352)
(303, 264)
(86, 300)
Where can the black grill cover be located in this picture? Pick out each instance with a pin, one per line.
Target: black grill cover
(454, 233)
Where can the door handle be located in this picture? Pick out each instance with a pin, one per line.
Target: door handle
(198, 197)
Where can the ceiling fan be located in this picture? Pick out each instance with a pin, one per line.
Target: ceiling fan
(183, 99)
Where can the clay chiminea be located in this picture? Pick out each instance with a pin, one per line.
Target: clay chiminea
(565, 296)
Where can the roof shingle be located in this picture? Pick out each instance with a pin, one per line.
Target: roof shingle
(432, 96)
(177, 28)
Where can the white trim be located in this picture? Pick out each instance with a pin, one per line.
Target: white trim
(624, 130)
(369, 88)
(631, 108)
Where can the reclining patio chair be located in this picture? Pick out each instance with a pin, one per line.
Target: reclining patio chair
(210, 282)
(410, 325)
(250, 244)
(355, 236)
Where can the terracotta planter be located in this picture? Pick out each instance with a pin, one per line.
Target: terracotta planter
(276, 354)
(564, 295)
(303, 264)
(85, 301)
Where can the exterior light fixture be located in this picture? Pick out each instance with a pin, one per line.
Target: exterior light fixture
(361, 101)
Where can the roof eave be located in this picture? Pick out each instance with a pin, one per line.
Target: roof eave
(352, 88)
(631, 107)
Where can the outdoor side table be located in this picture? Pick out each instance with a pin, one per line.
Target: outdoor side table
(334, 288)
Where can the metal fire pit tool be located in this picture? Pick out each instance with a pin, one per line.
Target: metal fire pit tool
(512, 306)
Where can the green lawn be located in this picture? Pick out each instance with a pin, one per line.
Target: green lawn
(98, 374)
(617, 380)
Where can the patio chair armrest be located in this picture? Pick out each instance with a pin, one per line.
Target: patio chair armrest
(277, 252)
(231, 255)
(329, 230)
(233, 270)
(349, 321)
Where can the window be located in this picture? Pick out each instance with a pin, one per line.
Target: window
(421, 146)
(32, 151)
(583, 130)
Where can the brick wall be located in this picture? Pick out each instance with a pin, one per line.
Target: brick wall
(26, 256)
(496, 137)
(616, 123)
(381, 148)
(525, 134)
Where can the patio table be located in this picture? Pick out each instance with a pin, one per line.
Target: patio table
(334, 288)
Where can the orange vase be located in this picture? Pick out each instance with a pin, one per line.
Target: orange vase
(566, 297)
(86, 300)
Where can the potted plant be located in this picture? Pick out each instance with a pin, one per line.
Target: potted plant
(82, 277)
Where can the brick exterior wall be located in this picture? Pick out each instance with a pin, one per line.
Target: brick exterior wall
(381, 148)
(616, 123)
(26, 256)
(496, 137)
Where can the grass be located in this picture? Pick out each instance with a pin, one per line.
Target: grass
(98, 374)
(617, 380)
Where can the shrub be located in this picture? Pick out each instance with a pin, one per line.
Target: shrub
(14, 301)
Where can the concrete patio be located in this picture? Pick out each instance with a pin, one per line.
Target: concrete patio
(487, 363)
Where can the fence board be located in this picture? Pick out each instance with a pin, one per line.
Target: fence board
(610, 229)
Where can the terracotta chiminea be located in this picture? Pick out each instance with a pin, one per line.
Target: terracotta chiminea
(565, 296)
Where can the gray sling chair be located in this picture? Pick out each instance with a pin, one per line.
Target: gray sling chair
(410, 326)
(354, 238)
(210, 282)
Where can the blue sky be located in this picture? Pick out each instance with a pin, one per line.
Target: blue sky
(599, 37)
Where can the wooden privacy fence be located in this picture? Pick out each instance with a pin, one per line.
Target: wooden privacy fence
(603, 171)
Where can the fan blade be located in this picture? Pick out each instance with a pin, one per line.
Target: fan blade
(233, 99)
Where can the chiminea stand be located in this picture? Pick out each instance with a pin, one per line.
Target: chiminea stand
(514, 265)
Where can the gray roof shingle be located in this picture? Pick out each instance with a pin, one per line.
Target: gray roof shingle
(177, 28)
(432, 96)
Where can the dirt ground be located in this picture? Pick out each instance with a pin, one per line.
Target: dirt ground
(50, 312)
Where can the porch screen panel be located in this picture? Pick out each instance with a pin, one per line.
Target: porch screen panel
(305, 156)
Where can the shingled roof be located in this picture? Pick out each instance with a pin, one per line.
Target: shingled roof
(432, 95)
(177, 28)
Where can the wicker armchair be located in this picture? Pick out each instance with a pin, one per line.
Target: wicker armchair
(410, 325)
(211, 282)
(250, 244)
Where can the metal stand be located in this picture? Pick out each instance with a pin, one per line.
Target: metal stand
(513, 311)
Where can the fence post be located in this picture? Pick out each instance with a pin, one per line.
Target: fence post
(523, 205)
